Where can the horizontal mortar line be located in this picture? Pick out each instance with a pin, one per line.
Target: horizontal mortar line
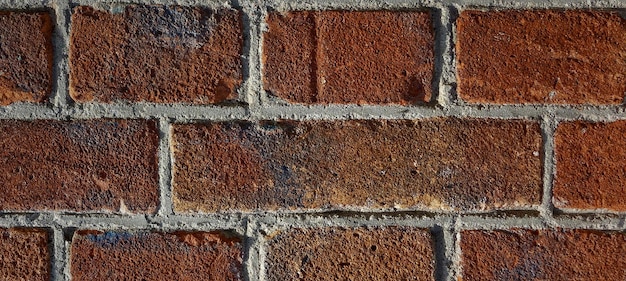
(186, 113)
(25, 4)
(238, 221)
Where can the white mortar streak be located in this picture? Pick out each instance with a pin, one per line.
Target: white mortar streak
(254, 94)
(254, 257)
(60, 256)
(59, 97)
(454, 244)
(165, 169)
(444, 57)
(548, 126)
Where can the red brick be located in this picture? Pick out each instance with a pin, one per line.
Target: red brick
(95, 165)
(391, 253)
(590, 165)
(371, 57)
(440, 164)
(542, 57)
(162, 54)
(118, 255)
(520, 254)
(25, 57)
(24, 254)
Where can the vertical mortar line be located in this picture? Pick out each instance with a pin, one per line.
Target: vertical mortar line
(254, 252)
(453, 250)
(165, 168)
(59, 97)
(60, 256)
(548, 128)
(253, 26)
(445, 84)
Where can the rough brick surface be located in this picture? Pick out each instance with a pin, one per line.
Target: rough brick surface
(390, 253)
(542, 56)
(155, 256)
(441, 164)
(368, 57)
(590, 165)
(24, 254)
(163, 54)
(97, 165)
(543, 255)
(25, 57)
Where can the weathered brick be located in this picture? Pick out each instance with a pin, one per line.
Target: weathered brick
(520, 254)
(371, 57)
(541, 56)
(440, 164)
(95, 165)
(118, 255)
(590, 165)
(25, 57)
(24, 254)
(391, 253)
(162, 54)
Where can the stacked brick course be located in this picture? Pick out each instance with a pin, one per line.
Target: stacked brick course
(275, 140)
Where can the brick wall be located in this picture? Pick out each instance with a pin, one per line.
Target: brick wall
(313, 140)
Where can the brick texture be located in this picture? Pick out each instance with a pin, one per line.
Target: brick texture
(118, 255)
(368, 57)
(543, 255)
(590, 165)
(25, 57)
(440, 164)
(391, 253)
(162, 54)
(542, 56)
(98, 165)
(24, 254)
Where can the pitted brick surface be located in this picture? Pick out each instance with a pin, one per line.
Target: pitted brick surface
(25, 57)
(95, 165)
(541, 56)
(365, 57)
(24, 254)
(440, 164)
(162, 54)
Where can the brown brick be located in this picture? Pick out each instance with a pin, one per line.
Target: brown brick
(391, 253)
(440, 164)
(117, 255)
(162, 54)
(96, 165)
(590, 165)
(543, 255)
(25, 57)
(24, 254)
(370, 57)
(542, 56)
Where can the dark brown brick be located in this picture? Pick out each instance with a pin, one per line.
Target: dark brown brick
(391, 253)
(440, 164)
(162, 54)
(543, 255)
(590, 165)
(368, 57)
(118, 255)
(24, 254)
(25, 57)
(96, 165)
(542, 56)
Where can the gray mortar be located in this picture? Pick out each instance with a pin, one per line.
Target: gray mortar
(257, 105)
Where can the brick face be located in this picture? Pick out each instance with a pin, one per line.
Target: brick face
(119, 255)
(541, 56)
(24, 254)
(393, 253)
(25, 57)
(439, 164)
(590, 165)
(97, 165)
(366, 57)
(162, 54)
(558, 254)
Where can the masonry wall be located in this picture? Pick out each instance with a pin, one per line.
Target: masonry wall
(313, 140)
